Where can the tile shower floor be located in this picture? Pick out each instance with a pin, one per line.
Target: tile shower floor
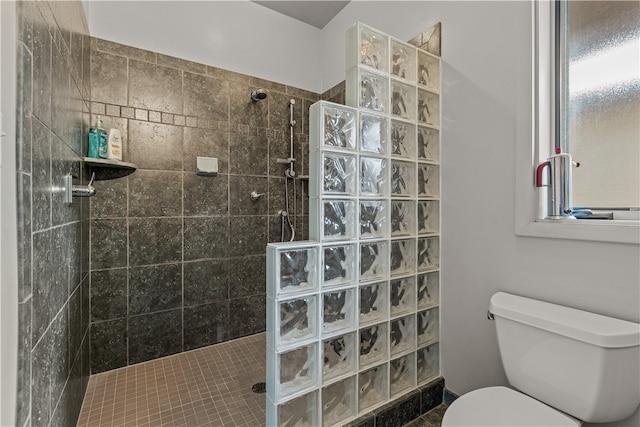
(210, 386)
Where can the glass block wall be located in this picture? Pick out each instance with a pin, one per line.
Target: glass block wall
(353, 314)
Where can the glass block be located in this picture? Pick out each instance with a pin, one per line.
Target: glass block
(428, 325)
(374, 133)
(428, 70)
(403, 178)
(298, 370)
(339, 264)
(373, 176)
(403, 218)
(338, 173)
(374, 219)
(428, 180)
(339, 402)
(428, 253)
(403, 100)
(299, 412)
(428, 362)
(372, 387)
(428, 217)
(402, 374)
(403, 257)
(428, 144)
(374, 260)
(402, 295)
(339, 356)
(402, 336)
(374, 91)
(332, 219)
(428, 108)
(373, 303)
(298, 270)
(373, 344)
(428, 289)
(403, 139)
(338, 310)
(373, 48)
(298, 320)
(403, 60)
(339, 127)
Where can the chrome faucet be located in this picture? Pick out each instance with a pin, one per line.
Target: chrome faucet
(559, 183)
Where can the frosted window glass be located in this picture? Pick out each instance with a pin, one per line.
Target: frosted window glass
(603, 102)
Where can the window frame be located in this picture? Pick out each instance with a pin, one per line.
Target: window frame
(538, 121)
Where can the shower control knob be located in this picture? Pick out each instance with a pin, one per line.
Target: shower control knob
(255, 196)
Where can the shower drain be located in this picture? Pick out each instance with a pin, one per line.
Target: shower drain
(259, 388)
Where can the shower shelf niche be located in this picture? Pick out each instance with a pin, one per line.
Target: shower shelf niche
(109, 169)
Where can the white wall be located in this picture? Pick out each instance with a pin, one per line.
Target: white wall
(238, 35)
(486, 66)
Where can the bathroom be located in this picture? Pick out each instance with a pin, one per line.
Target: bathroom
(486, 90)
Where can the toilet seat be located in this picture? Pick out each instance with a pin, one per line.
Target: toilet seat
(502, 406)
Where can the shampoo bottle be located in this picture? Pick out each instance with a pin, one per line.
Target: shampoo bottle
(115, 145)
(97, 138)
(103, 145)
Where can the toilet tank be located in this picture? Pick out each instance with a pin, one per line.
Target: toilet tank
(581, 363)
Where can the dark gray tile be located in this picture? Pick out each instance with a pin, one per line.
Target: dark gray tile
(60, 268)
(24, 236)
(108, 78)
(155, 241)
(434, 416)
(431, 395)
(63, 162)
(77, 141)
(124, 50)
(247, 235)
(155, 145)
(108, 294)
(248, 276)
(85, 249)
(108, 345)
(399, 413)
(154, 87)
(205, 143)
(364, 421)
(41, 69)
(60, 95)
(205, 237)
(154, 335)
(154, 193)
(75, 391)
(277, 195)
(250, 154)
(448, 397)
(206, 97)
(243, 109)
(181, 64)
(205, 195)
(23, 375)
(85, 305)
(247, 316)
(155, 288)
(110, 200)
(279, 113)
(25, 103)
(108, 243)
(206, 281)
(205, 325)
(240, 189)
(41, 177)
(76, 331)
(41, 375)
(279, 149)
(42, 283)
(59, 355)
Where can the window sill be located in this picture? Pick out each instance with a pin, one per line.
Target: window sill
(614, 231)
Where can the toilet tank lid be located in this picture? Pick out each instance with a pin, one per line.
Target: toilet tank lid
(596, 329)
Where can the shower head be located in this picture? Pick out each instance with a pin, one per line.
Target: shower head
(258, 95)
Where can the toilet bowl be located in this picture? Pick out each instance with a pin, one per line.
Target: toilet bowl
(565, 367)
(503, 407)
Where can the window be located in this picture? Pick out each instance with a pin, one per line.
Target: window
(598, 95)
(598, 117)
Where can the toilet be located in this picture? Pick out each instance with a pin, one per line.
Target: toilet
(565, 367)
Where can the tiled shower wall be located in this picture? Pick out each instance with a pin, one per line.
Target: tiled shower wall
(178, 260)
(53, 117)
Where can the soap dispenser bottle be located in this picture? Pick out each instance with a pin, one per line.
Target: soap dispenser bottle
(97, 141)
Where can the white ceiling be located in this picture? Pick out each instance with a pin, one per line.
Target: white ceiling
(316, 13)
